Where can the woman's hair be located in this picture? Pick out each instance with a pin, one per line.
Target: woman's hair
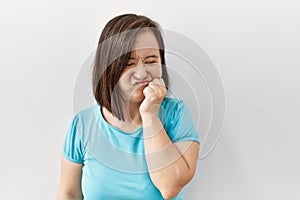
(112, 55)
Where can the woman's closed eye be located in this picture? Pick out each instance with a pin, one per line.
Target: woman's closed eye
(147, 63)
(151, 62)
(129, 65)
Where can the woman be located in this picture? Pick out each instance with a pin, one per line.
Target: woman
(135, 143)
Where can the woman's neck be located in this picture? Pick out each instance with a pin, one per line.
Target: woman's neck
(132, 118)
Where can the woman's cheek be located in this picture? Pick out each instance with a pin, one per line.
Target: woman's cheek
(156, 72)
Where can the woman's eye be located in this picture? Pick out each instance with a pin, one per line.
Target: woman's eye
(130, 65)
(151, 62)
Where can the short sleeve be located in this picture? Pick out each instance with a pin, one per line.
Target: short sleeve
(72, 147)
(182, 126)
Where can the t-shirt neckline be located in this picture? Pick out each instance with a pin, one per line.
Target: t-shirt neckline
(99, 112)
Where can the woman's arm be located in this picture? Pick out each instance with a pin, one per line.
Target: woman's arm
(70, 181)
(171, 165)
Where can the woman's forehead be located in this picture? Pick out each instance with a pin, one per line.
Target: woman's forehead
(145, 40)
(145, 53)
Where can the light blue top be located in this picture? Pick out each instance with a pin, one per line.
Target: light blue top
(114, 165)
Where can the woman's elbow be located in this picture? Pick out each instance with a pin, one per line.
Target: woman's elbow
(69, 197)
(170, 193)
(173, 190)
(63, 194)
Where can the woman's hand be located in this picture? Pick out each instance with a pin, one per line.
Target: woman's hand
(154, 94)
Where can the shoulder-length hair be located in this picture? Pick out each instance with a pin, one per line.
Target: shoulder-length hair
(112, 55)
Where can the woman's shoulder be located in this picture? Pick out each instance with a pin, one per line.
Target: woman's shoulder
(87, 113)
(170, 107)
(171, 103)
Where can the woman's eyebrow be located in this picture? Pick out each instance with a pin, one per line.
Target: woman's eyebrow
(150, 56)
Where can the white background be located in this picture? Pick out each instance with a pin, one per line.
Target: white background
(254, 44)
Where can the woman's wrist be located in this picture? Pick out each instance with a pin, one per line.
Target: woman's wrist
(151, 125)
(148, 118)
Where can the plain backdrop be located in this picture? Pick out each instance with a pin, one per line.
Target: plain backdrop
(254, 45)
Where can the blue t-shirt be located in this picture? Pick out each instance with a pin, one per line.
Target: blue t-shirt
(114, 164)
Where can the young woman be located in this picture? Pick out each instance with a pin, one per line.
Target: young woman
(134, 143)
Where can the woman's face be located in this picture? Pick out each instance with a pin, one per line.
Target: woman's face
(143, 66)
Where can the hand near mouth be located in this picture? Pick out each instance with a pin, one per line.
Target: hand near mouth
(154, 94)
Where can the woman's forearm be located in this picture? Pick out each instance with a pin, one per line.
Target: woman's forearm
(168, 169)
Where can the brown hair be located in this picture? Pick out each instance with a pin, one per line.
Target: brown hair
(113, 52)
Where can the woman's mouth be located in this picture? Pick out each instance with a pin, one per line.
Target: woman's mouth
(142, 83)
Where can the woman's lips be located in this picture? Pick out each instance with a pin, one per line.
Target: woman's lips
(142, 83)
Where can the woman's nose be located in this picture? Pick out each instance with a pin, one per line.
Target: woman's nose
(140, 72)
